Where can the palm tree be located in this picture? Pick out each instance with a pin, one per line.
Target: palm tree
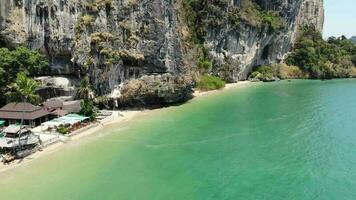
(24, 89)
(85, 90)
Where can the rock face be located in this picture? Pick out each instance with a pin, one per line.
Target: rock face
(116, 41)
(57, 86)
(237, 51)
(112, 40)
(162, 89)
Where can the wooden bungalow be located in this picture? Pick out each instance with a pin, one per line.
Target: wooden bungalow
(53, 105)
(32, 115)
(61, 108)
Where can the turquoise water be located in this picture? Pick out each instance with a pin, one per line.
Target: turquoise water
(286, 140)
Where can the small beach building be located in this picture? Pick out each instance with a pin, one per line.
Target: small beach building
(60, 108)
(32, 115)
(14, 131)
(70, 120)
(74, 121)
(16, 139)
(53, 105)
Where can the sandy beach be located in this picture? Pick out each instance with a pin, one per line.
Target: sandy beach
(118, 117)
(227, 87)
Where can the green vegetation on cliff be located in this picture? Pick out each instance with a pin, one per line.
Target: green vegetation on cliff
(206, 81)
(334, 58)
(315, 58)
(203, 15)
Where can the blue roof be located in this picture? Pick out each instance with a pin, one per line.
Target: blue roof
(68, 119)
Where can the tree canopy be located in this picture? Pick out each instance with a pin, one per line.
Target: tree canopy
(85, 90)
(22, 59)
(334, 58)
(29, 62)
(24, 89)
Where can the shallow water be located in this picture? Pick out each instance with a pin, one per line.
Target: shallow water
(286, 140)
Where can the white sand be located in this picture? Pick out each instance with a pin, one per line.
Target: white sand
(227, 87)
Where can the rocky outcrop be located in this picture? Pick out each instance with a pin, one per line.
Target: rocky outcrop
(162, 89)
(59, 86)
(140, 42)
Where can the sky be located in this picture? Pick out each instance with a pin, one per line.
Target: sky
(340, 18)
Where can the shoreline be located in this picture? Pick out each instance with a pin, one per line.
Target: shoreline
(227, 87)
(119, 116)
(52, 148)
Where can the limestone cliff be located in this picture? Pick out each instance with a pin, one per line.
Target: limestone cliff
(115, 41)
(236, 49)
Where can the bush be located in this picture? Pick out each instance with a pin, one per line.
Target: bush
(103, 102)
(205, 64)
(207, 82)
(88, 109)
(63, 130)
(265, 73)
(277, 71)
(87, 20)
(273, 20)
(291, 72)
